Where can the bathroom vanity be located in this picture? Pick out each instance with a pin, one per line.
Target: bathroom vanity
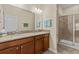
(27, 43)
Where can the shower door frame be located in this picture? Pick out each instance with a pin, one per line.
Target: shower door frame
(74, 43)
(74, 27)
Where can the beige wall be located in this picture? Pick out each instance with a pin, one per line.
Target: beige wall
(71, 10)
(60, 11)
(50, 12)
(1, 17)
(23, 16)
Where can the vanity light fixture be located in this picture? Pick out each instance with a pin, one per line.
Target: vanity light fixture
(37, 10)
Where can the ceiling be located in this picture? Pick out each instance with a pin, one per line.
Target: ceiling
(64, 6)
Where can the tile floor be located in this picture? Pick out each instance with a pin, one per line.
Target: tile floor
(49, 52)
(64, 50)
(67, 50)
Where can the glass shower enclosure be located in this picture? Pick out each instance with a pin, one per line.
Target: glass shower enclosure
(77, 29)
(69, 30)
(66, 28)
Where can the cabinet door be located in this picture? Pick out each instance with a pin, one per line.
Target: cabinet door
(46, 42)
(11, 50)
(39, 45)
(27, 48)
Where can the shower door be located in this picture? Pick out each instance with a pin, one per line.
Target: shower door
(76, 29)
(66, 28)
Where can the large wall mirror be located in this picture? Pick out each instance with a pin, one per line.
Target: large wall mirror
(16, 19)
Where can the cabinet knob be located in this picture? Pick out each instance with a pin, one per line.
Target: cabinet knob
(17, 48)
(21, 46)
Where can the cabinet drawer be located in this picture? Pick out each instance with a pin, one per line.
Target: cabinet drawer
(38, 37)
(9, 44)
(25, 40)
(46, 35)
(27, 48)
(10, 50)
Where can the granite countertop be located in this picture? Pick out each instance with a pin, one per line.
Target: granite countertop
(21, 35)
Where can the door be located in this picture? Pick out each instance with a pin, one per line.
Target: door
(46, 42)
(39, 45)
(27, 48)
(76, 29)
(11, 50)
(66, 28)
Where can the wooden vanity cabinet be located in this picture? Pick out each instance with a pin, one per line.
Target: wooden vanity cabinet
(29, 45)
(39, 44)
(46, 42)
(20, 46)
(10, 47)
(10, 50)
(27, 48)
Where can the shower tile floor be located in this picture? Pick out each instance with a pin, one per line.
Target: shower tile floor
(63, 50)
(66, 50)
